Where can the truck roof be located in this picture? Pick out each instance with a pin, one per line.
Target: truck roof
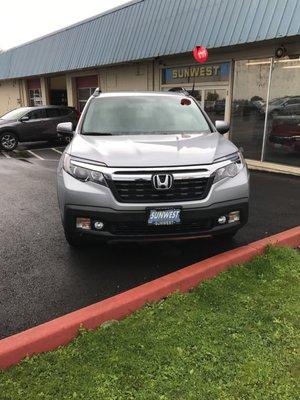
(136, 93)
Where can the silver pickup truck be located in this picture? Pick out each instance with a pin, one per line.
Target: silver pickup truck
(150, 166)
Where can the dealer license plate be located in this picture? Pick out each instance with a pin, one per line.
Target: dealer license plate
(164, 217)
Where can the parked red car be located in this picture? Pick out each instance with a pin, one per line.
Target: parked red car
(286, 132)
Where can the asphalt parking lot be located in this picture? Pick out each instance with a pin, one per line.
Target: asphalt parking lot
(41, 277)
(35, 151)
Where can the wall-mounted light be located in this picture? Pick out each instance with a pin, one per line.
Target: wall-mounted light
(288, 60)
(291, 66)
(280, 52)
(258, 63)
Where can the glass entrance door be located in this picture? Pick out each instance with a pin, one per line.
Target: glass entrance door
(214, 100)
(215, 103)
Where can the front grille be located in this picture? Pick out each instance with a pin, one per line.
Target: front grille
(142, 191)
(141, 228)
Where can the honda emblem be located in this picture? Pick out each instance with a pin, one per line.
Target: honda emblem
(162, 181)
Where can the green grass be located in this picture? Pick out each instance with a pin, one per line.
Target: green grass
(234, 337)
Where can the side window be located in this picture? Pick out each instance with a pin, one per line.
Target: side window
(65, 111)
(37, 114)
(53, 112)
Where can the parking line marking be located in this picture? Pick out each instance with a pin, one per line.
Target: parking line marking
(57, 151)
(35, 155)
(5, 155)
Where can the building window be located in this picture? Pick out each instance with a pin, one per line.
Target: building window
(265, 112)
(249, 96)
(208, 84)
(35, 97)
(282, 141)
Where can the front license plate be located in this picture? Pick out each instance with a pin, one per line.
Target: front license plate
(164, 217)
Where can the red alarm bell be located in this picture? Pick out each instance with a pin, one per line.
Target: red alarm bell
(200, 54)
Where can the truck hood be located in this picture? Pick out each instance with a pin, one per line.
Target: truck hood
(159, 150)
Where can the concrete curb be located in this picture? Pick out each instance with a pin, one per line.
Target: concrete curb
(62, 330)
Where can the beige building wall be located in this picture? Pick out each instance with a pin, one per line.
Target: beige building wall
(24, 92)
(45, 90)
(137, 76)
(71, 95)
(10, 96)
(57, 82)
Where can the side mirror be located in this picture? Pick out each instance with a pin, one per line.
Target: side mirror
(65, 128)
(222, 127)
(24, 118)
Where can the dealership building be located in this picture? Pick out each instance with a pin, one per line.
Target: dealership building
(251, 78)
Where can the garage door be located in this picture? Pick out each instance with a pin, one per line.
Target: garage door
(86, 86)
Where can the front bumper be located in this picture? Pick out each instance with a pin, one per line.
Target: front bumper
(132, 225)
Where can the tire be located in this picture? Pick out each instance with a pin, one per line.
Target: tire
(67, 139)
(8, 141)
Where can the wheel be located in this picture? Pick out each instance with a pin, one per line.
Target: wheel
(67, 139)
(8, 141)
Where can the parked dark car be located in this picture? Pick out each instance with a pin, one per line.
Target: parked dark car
(245, 108)
(219, 106)
(289, 105)
(31, 124)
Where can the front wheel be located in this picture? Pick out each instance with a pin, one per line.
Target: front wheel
(8, 141)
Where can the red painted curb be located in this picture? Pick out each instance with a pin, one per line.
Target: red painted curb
(61, 331)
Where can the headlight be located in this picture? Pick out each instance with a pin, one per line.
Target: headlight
(232, 169)
(81, 173)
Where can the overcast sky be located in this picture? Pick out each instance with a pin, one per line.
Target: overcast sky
(24, 20)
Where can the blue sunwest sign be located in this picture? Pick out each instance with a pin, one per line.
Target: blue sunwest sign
(214, 72)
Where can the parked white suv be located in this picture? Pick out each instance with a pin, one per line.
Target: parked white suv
(150, 166)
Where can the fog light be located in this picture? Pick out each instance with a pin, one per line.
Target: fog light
(233, 216)
(222, 220)
(98, 225)
(83, 223)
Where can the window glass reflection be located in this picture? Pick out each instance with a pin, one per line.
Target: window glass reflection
(214, 103)
(247, 109)
(283, 128)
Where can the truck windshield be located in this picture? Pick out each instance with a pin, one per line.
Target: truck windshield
(143, 115)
